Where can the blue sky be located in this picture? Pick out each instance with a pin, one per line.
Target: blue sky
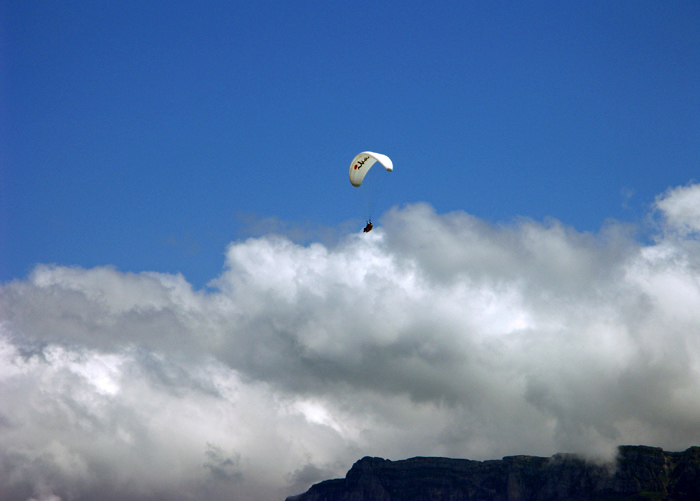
(150, 135)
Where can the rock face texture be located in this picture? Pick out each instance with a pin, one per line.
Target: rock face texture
(639, 473)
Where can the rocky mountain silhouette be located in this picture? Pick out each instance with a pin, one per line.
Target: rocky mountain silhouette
(638, 473)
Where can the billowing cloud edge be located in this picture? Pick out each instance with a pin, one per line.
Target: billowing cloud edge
(436, 334)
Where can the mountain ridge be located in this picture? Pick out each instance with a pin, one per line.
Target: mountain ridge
(639, 472)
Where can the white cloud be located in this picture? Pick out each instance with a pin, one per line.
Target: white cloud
(432, 335)
(681, 208)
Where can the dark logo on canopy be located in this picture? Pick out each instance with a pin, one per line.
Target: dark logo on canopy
(359, 164)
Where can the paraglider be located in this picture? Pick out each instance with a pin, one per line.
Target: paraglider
(360, 166)
(362, 163)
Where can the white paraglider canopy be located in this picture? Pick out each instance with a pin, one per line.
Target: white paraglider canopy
(360, 165)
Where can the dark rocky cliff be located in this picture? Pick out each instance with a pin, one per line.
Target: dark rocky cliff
(639, 473)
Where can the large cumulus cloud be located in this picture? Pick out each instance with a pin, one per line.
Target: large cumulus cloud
(436, 334)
